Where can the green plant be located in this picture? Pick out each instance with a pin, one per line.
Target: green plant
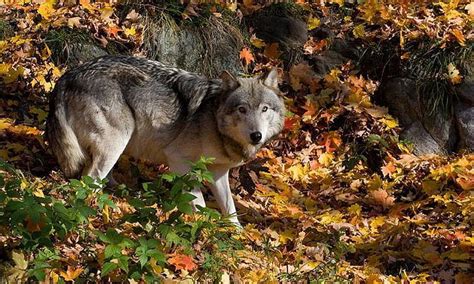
(41, 218)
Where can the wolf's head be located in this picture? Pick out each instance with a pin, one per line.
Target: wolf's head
(250, 111)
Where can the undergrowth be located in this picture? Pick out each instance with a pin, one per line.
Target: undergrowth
(39, 217)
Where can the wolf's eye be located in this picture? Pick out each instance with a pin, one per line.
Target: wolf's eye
(242, 110)
(264, 109)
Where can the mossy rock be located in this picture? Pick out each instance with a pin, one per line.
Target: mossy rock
(208, 48)
(74, 47)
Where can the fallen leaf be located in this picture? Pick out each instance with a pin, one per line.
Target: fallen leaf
(183, 262)
(247, 56)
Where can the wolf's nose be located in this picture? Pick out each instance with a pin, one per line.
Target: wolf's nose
(256, 137)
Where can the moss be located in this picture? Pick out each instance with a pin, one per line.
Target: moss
(5, 30)
(428, 65)
(284, 10)
(61, 43)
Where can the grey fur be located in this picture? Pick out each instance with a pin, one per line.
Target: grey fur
(150, 111)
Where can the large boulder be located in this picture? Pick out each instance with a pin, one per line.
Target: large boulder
(430, 134)
(208, 48)
(465, 124)
(422, 140)
(466, 90)
(286, 30)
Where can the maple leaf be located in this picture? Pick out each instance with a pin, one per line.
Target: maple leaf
(255, 41)
(388, 169)
(466, 181)
(453, 74)
(381, 197)
(182, 262)
(311, 110)
(313, 23)
(47, 8)
(470, 9)
(130, 31)
(71, 273)
(331, 141)
(74, 22)
(133, 16)
(247, 56)
(359, 31)
(459, 36)
(87, 5)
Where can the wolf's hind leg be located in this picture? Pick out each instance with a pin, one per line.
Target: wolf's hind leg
(104, 154)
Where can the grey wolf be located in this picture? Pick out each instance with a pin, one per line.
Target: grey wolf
(128, 105)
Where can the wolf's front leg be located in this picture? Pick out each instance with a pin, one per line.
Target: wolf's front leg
(221, 191)
(182, 169)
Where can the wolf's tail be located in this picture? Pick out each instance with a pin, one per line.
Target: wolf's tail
(63, 142)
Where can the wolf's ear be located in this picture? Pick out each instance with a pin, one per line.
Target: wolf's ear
(272, 79)
(229, 82)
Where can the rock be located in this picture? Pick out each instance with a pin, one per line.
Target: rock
(466, 90)
(400, 96)
(206, 49)
(465, 124)
(327, 60)
(285, 30)
(442, 129)
(78, 53)
(436, 133)
(422, 141)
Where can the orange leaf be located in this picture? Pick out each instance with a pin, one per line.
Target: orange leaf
(388, 169)
(331, 141)
(71, 273)
(183, 262)
(381, 197)
(246, 55)
(459, 37)
(466, 182)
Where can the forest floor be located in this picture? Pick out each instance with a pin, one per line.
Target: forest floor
(337, 197)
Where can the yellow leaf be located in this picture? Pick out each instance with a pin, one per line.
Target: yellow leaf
(331, 217)
(338, 2)
(389, 122)
(47, 8)
(130, 31)
(359, 31)
(19, 259)
(313, 23)
(453, 74)
(255, 41)
(87, 5)
(106, 213)
(9, 74)
(326, 159)
(376, 223)
(106, 13)
(355, 209)
(287, 235)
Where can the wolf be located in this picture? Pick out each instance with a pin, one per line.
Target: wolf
(118, 105)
